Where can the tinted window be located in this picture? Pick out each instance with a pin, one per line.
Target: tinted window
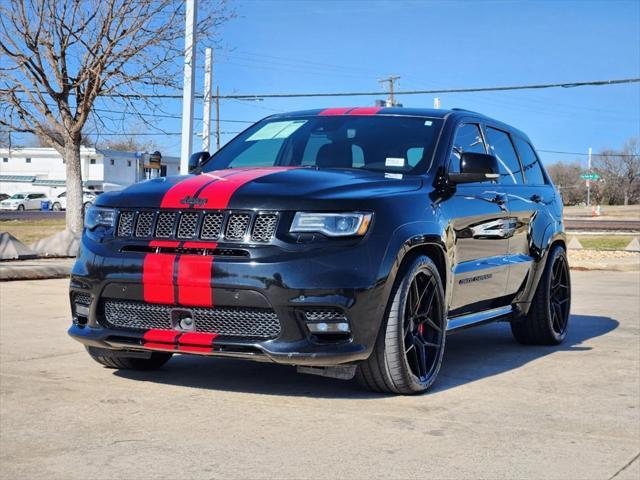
(396, 144)
(468, 139)
(500, 145)
(530, 163)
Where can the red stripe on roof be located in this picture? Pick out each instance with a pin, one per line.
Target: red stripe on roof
(335, 111)
(365, 111)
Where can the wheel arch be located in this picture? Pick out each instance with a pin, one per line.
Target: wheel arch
(409, 241)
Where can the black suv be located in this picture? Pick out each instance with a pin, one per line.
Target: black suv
(345, 241)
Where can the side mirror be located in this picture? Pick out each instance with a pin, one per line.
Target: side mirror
(476, 167)
(196, 160)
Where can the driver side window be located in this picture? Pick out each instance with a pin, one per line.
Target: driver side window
(468, 139)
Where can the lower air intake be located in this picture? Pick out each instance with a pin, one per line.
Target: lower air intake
(258, 323)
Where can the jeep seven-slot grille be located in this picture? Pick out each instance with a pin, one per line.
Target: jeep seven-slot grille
(259, 323)
(193, 225)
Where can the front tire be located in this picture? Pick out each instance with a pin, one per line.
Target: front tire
(21, 208)
(547, 321)
(56, 207)
(408, 352)
(105, 357)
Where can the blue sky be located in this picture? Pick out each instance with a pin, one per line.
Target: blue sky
(325, 46)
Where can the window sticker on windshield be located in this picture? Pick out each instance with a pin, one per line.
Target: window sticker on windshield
(394, 162)
(275, 130)
(428, 123)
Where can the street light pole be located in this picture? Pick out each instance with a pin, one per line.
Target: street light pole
(206, 118)
(188, 85)
(589, 181)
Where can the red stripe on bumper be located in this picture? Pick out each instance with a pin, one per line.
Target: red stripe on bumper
(157, 278)
(162, 339)
(194, 280)
(196, 342)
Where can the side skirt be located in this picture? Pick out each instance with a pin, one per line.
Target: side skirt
(464, 321)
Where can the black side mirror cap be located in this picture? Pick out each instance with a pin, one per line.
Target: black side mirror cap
(197, 160)
(476, 167)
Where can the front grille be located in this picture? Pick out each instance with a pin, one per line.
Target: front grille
(259, 323)
(144, 224)
(188, 225)
(264, 228)
(211, 226)
(198, 225)
(237, 226)
(324, 315)
(125, 224)
(164, 227)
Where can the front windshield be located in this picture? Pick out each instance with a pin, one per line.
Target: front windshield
(378, 142)
(18, 196)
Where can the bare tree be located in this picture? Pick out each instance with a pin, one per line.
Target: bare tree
(566, 176)
(620, 171)
(61, 55)
(127, 144)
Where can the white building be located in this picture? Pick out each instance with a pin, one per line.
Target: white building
(43, 169)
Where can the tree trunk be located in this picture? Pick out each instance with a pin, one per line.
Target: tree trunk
(74, 214)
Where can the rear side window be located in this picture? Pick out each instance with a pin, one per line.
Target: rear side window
(530, 163)
(468, 139)
(500, 145)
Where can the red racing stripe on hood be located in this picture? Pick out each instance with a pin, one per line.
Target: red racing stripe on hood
(365, 111)
(218, 194)
(335, 111)
(189, 187)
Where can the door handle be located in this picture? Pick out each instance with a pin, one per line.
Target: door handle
(536, 198)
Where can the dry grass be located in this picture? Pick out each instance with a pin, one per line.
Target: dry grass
(621, 212)
(605, 242)
(28, 231)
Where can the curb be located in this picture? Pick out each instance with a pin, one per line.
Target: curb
(27, 270)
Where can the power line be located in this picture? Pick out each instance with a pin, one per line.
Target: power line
(537, 86)
(613, 154)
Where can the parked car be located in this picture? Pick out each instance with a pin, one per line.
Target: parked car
(60, 203)
(23, 201)
(4, 196)
(346, 242)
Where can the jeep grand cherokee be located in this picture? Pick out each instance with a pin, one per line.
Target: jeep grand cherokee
(345, 241)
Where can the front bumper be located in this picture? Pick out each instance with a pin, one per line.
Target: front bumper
(289, 283)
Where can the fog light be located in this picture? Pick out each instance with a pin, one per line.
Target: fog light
(323, 327)
(82, 310)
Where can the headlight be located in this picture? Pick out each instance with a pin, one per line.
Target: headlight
(332, 224)
(96, 216)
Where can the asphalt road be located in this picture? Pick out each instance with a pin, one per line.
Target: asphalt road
(602, 225)
(499, 410)
(29, 215)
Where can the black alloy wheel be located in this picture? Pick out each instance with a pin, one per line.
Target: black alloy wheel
(423, 329)
(559, 295)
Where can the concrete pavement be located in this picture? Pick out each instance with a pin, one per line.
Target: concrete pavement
(499, 410)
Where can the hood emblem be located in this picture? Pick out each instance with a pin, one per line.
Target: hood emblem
(193, 201)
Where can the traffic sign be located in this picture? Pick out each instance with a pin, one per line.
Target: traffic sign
(590, 176)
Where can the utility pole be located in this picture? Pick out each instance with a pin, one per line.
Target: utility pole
(217, 117)
(589, 181)
(206, 118)
(436, 103)
(391, 101)
(188, 85)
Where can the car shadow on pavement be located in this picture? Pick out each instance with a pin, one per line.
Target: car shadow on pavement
(470, 355)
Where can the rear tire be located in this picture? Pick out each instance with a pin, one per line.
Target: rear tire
(547, 321)
(408, 352)
(21, 208)
(105, 357)
(56, 207)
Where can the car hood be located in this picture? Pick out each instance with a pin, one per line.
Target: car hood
(278, 188)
